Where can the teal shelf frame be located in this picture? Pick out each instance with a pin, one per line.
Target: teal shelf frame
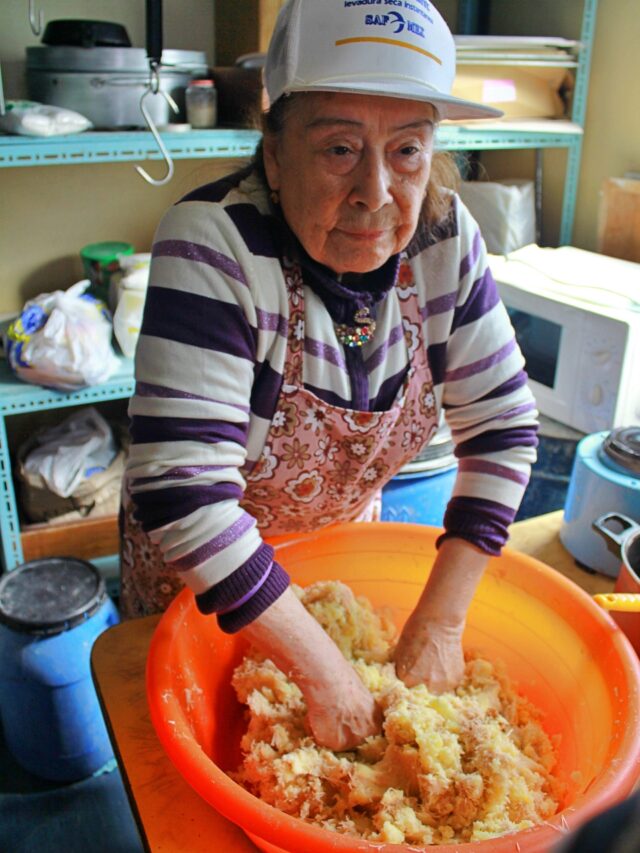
(16, 398)
(470, 14)
(124, 146)
(451, 137)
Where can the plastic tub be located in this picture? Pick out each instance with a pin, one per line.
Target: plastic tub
(419, 498)
(51, 612)
(564, 653)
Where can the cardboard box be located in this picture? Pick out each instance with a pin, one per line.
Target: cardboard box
(619, 219)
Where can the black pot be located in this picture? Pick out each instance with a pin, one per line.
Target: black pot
(81, 33)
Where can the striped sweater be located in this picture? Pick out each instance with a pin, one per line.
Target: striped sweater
(209, 366)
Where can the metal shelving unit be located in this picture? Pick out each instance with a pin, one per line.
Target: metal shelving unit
(116, 147)
(124, 146)
(17, 398)
(471, 13)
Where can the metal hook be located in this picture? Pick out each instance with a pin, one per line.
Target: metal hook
(154, 89)
(36, 22)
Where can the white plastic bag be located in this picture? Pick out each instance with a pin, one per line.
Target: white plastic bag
(62, 340)
(72, 451)
(29, 118)
(505, 212)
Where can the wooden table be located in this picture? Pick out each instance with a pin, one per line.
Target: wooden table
(171, 817)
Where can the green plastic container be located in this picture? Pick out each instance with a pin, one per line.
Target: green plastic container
(100, 263)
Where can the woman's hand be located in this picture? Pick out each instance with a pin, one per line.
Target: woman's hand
(430, 653)
(341, 711)
(429, 650)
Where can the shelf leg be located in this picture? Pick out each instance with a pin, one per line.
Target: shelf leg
(9, 522)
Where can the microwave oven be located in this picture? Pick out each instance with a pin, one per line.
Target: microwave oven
(576, 315)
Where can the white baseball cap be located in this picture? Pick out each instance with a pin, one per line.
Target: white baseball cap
(398, 48)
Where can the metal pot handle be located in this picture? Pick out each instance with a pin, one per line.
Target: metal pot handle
(615, 541)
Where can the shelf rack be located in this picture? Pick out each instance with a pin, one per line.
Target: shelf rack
(124, 146)
(472, 15)
(16, 398)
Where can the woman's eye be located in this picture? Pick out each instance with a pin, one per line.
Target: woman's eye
(340, 150)
(409, 150)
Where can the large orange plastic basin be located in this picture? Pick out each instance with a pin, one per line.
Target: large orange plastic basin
(564, 653)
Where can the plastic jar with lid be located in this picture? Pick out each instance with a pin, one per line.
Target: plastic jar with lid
(201, 100)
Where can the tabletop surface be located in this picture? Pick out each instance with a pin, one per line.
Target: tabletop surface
(170, 815)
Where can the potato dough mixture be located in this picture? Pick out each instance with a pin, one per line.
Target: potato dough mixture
(456, 767)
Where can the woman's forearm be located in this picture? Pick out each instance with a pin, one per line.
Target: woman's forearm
(429, 650)
(341, 711)
(454, 578)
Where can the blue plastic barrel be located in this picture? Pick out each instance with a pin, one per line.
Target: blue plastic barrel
(51, 612)
(419, 498)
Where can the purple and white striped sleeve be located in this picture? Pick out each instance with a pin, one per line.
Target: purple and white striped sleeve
(488, 404)
(189, 418)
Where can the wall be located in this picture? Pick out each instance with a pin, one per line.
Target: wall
(48, 213)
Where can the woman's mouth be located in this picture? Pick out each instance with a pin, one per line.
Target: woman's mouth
(365, 235)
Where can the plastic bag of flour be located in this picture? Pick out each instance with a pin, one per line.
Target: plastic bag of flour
(29, 118)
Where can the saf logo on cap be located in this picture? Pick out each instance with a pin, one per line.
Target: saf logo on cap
(394, 19)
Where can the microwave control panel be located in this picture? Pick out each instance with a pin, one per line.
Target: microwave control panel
(600, 372)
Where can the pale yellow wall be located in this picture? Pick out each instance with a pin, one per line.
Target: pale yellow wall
(612, 141)
(48, 213)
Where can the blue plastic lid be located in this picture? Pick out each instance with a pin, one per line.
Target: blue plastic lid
(50, 595)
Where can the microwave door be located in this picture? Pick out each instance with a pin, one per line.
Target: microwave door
(575, 360)
(546, 346)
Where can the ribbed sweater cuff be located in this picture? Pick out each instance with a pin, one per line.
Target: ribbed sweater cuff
(481, 523)
(272, 588)
(224, 594)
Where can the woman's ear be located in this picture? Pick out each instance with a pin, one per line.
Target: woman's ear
(271, 160)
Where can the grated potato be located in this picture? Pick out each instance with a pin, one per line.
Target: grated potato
(456, 767)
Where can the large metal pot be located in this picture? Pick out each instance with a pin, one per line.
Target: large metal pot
(622, 536)
(105, 83)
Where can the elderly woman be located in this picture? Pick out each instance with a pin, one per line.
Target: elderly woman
(307, 321)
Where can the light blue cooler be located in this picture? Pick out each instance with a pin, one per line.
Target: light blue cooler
(51, 612)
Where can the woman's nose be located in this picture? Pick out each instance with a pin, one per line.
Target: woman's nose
(372, 183)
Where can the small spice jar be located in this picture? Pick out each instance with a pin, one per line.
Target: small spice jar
(201, 100)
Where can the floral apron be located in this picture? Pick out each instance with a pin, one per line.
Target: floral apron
(321, 464)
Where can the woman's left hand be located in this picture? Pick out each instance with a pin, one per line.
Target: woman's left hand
(430, 653)
(429, 650)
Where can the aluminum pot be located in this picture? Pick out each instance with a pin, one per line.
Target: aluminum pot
(622, 536)
(105, 84)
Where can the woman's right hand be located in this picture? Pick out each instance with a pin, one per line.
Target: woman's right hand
(342, 713)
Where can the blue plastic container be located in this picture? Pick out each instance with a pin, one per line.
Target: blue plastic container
(51, 612)
(418, 498)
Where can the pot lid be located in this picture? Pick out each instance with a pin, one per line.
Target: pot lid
(94, 59)
(50, 595)
(622, 446)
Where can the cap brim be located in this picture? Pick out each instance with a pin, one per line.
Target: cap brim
(449, 107)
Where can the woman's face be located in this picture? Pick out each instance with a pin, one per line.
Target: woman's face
(352, 173)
